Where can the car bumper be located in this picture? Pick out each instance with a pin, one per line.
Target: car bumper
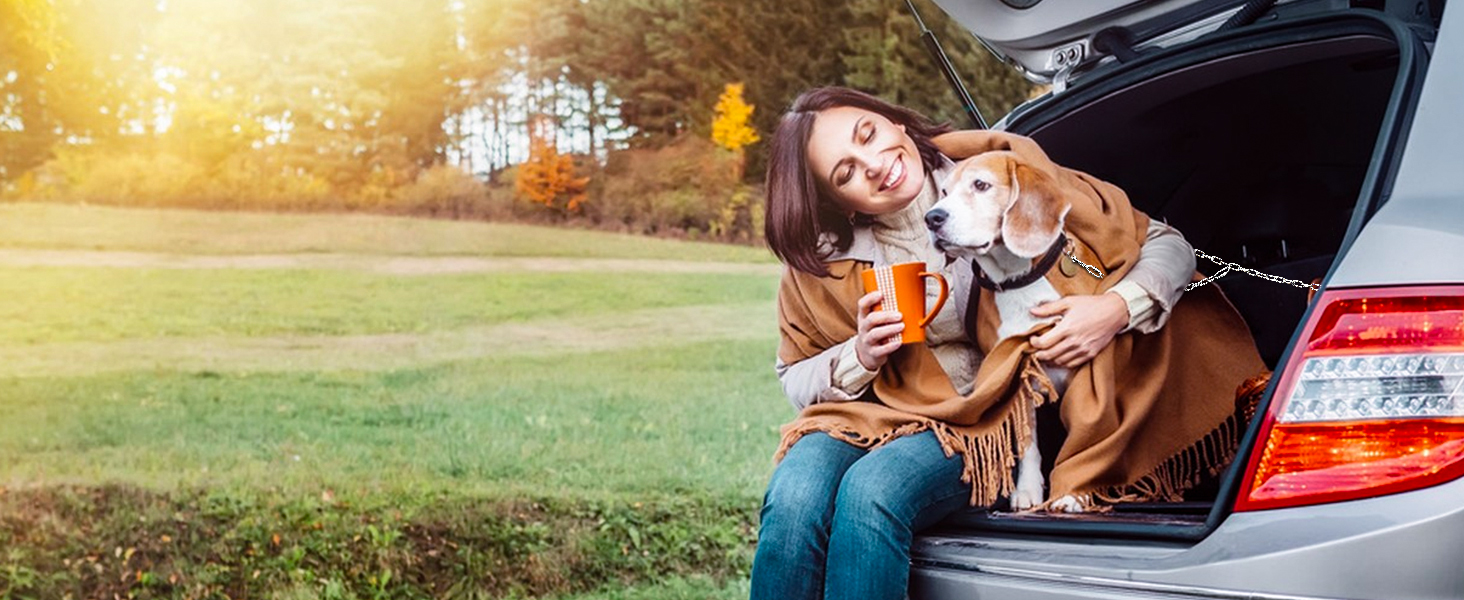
(1402, 546)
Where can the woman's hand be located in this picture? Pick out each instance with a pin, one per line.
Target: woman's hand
(1086, 326)
(879, 332)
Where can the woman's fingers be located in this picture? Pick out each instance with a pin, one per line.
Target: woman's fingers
(869, 301)
(1073, 358)
(1057, 345)
(879, 331)
(878, 318)
(1052, 337)
(884, 333)
(1047, 309)
(883, 349)
(1073, 352)
(875, 344)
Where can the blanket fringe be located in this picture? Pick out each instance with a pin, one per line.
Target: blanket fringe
(1168, 482)
(1002, 447)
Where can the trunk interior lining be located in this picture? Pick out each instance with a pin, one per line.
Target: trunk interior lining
(1257, 158)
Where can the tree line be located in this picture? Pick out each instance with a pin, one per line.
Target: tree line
(432, 106)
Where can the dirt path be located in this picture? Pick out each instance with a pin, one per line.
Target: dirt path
(389, 351)
(394, 265)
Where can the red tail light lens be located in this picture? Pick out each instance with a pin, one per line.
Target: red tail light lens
(1373, 403)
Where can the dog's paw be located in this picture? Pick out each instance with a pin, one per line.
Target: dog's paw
(1029, 493)
(1067, 504)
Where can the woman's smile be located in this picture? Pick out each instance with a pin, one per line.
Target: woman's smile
(896, 174)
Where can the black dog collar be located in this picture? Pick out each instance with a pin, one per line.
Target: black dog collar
(1021, 281)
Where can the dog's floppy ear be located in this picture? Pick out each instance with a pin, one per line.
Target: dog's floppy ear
(1034, 216)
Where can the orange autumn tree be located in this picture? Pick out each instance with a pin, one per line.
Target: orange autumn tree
(547, 177)
(730, 128)
(739, 216)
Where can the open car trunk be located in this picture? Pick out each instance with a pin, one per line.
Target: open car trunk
(1267, 154)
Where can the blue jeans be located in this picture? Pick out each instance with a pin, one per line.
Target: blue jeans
(837, 520)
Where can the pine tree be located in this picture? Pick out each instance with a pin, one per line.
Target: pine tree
(886, 57)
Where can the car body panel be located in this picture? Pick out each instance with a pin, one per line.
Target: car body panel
(1054, 35)
(1417, 236)
(1399, 546)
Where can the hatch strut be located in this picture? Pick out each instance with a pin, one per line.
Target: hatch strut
(944, 62)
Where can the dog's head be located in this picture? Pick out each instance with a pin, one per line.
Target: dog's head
(994, 198)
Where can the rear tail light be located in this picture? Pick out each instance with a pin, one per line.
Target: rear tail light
(1372, 403)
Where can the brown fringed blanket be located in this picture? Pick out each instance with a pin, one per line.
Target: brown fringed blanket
(1146, 418)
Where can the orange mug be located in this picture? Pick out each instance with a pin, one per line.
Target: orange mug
(904, 291)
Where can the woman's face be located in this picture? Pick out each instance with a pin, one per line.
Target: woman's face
(865, 161)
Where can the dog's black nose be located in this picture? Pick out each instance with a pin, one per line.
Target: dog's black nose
(935, 218)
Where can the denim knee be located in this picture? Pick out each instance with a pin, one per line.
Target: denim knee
(865, 497)
(800, 498)
(893, 484)
(798, 506)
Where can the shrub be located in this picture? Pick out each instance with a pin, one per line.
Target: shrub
(446, 191)
(159, 179)
(689, 186)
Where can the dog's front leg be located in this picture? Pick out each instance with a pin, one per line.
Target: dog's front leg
(1029, 493)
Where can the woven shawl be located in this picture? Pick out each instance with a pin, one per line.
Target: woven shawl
(1146, 418)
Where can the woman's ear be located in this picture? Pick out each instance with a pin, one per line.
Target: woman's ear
(1034, 213)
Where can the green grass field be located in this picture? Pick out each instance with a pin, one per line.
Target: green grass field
(201, 232)
(596, 422)
(55, 304)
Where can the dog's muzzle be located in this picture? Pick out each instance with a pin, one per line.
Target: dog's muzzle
(935, 218)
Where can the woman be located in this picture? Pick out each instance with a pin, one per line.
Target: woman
(849, 180)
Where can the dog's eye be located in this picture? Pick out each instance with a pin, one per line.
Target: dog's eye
(943, 192)
(981, 186)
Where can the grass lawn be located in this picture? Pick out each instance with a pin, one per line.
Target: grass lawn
(669, 420)
(59, 304)
(24, 225)
(586, 434)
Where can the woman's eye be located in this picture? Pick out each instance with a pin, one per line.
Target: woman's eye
(868, 137)
(981, 186)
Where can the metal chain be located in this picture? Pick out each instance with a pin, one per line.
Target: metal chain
(1090, 268)
(1227, 266)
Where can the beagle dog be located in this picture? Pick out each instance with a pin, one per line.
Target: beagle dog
(1007, 218)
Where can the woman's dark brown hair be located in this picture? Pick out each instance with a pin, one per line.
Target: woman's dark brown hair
(800, 212)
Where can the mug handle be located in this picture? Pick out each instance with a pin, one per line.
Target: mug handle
(939, 302)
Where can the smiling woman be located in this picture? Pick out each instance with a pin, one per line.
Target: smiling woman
(873, 455)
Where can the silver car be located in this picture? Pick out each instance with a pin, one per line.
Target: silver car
(1313, 141)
